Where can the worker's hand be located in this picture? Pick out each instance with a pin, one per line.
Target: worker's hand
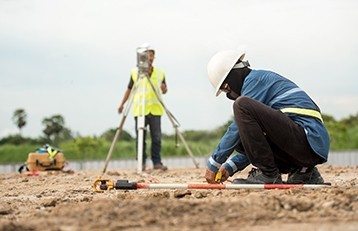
(224, 174)
(210, 176)
(164, 88)
(120, 109)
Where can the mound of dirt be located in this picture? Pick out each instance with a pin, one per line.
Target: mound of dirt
(66, 201)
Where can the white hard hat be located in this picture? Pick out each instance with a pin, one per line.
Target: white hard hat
(146, 46)
(220, 65)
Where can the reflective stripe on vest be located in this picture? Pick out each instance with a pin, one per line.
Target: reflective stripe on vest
(152, 104)
(303, 111)
(52, 152)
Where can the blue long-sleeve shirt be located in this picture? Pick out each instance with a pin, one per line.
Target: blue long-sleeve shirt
(277, 92)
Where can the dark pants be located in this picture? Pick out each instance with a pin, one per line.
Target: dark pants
(156, 137)
(270, 140)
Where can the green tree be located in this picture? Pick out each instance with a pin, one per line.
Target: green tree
(19, 118)
(110, 133)
(351, 121)
(65, 134)
(88, 146)
(53, 127)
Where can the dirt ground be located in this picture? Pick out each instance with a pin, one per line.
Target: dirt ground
(66, 202)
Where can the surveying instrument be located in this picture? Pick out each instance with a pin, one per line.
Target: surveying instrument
(139, 87)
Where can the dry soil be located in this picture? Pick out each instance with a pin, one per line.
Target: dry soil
(64, 201)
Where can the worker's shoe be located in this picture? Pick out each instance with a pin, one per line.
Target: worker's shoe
(305, 176)
(256, 176)
(160, 166)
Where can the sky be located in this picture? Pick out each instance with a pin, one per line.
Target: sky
(73, 57)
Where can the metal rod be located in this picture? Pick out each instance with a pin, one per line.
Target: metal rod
(101, 185)
(229, 186)
(141, 120)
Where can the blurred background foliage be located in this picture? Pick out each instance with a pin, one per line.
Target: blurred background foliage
(15, 148)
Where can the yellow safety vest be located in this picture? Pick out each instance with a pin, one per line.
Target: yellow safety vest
(152, 104)
(303, 111)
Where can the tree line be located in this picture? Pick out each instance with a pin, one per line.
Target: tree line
(54, 128)
(343, 133)
(54, 131)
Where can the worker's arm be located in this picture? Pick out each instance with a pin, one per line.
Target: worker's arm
(222, 152)
(125, 98)
(219, 160)
(164, 88)
(236, 163)
(225, 148)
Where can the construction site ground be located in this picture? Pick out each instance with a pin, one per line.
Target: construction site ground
(66, 202)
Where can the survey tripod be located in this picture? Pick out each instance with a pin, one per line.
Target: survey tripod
(140, 88)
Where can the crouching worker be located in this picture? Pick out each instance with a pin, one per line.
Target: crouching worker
(277, 127)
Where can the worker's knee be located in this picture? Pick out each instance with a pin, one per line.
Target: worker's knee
(242, 102)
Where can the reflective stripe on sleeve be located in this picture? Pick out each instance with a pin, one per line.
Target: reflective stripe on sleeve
(214, 163)
(232, 165)
(303, 111)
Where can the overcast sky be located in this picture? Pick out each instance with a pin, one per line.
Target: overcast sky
(73, 57)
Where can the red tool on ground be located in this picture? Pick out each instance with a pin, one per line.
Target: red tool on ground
(101, 185)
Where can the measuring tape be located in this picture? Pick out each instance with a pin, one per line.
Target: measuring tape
(218, 177)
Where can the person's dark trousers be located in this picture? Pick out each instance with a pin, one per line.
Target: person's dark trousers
(271, 140)
(154, 123)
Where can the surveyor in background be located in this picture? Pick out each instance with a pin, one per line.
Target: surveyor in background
(277, 127)
(153, 109)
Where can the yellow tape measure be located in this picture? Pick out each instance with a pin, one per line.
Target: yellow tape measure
(218, 177)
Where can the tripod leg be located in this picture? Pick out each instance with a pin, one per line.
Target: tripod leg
(185, 144)
(171, 118)
(188, 149)
(119, 129)
(118, 132)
